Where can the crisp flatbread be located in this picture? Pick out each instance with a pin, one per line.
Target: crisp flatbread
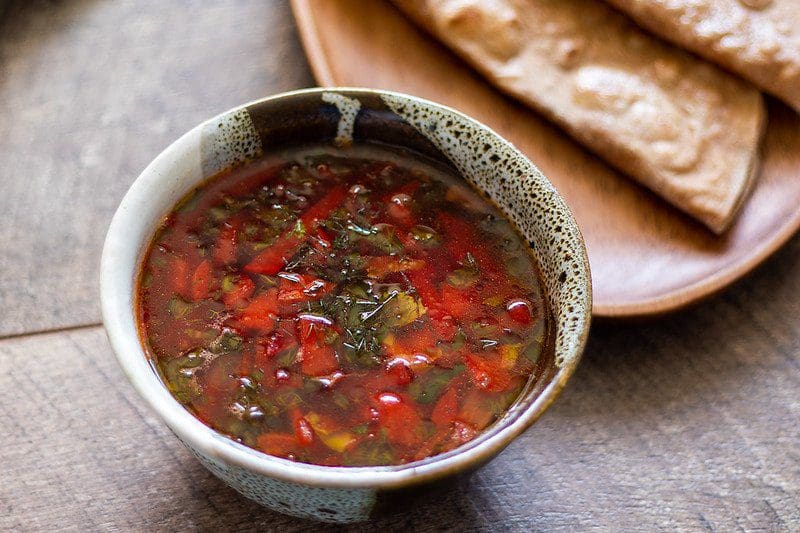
(757, 39)
(678, 125)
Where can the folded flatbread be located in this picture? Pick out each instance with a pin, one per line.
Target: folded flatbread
(678, 125)
(757, 39)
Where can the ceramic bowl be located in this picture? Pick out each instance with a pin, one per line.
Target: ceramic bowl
(494, 166)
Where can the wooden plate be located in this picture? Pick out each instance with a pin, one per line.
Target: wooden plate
(646, 257)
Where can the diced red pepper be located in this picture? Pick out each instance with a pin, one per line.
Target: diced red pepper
(241, 292)
(201, 281)
(280, 444)
(399, 418)
(446, 408)
(487, 372)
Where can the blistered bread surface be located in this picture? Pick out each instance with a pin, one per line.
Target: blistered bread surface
(678, 125)
(758, 39)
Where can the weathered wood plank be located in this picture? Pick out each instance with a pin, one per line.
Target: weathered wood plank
(90, 92)
(686, 423)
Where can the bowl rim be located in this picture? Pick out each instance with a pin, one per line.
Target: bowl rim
(119, 315)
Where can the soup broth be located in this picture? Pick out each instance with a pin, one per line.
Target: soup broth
(342, 307)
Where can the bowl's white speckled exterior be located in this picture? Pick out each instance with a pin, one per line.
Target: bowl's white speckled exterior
(340, 494)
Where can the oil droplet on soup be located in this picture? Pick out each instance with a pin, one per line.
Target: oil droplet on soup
(358, 307)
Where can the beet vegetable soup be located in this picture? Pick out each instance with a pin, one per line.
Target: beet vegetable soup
(342, 307)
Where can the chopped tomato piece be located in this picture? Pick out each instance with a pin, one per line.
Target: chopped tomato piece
(446, 407)
(432, 300)
(201, 281)
(261, 313)
(262, 323)
(316, 357)
(280, 444)
(487, 372)
(242, 290)
(458, 302)
(401, 421)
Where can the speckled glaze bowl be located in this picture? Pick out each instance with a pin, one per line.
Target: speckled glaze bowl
(494, 166)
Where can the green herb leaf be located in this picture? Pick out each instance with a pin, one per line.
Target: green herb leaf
(430, 385)
(178, 307)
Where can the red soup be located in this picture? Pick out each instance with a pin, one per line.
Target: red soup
(356, 307)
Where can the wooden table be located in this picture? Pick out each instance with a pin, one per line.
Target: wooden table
(690, 422)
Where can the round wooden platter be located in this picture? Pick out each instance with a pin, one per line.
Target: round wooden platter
(646, 257)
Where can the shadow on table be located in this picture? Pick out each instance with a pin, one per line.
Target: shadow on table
(680, 358)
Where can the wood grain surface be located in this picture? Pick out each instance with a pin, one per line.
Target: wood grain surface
(689, 422)
(90, 93)
(646, 257)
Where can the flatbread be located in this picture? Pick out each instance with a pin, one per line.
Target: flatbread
(757, 39)
(678, 125)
